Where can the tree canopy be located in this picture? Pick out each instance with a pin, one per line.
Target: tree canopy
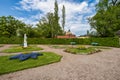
(106, 21)
(49, 25)
(9, 26)
(63, 18)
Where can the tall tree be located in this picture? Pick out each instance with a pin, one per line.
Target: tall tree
(56, 13)
(115, 2)
(9, 26)
(49, 25)
(56, 19)
(46, 26)
(106, 21)
(63, 18)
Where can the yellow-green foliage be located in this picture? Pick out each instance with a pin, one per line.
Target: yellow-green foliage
(81, 47)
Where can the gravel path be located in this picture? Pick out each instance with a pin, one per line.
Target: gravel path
(5, 46)
(100, 66)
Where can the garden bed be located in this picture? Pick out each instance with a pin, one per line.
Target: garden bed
(7, 66)
(82, 50)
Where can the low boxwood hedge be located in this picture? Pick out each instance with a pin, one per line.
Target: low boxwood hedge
(112, 42)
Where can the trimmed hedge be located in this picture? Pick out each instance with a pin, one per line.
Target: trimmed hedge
(12, 40)
(112, 42)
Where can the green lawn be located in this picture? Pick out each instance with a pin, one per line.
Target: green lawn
(7, 66)
(14, 49)
(88, 50)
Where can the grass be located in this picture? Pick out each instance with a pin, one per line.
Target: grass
(86, 51)
(15, 49)
(59, 46)
(7, 66)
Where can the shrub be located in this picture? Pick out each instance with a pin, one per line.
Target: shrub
(81, 47)
(82, 50)
(12, 40)
(111, 42)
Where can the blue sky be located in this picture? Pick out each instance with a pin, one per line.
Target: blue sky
(30, 11)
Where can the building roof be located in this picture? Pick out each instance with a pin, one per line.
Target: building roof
(68, 33)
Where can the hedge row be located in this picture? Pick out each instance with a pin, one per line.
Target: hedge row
(112, 42)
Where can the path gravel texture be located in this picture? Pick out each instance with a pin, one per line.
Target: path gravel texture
(104, 65)
(5, 46)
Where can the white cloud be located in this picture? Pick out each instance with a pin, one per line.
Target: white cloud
(79, 29)
(42, 5)
(76, 13)
(27, 21)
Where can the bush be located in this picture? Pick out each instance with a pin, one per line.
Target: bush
(81, 47)
(111, 42)
(12, 40)
(82, 50)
